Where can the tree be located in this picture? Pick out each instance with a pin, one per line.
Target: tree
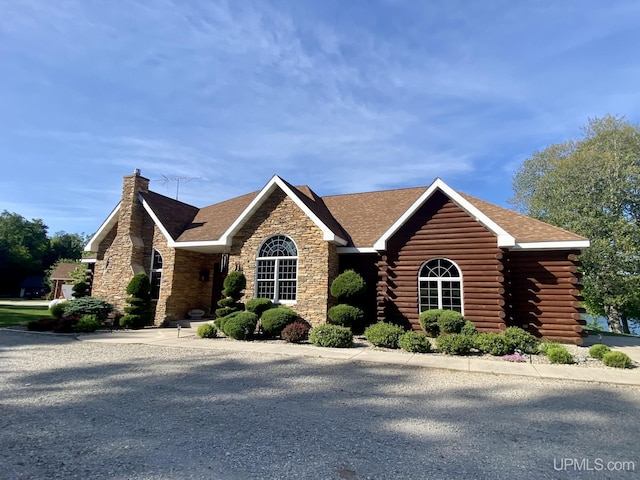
(65, 245)
(592, 186)
(138, 312)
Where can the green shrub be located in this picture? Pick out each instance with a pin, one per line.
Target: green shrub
(42, 325)
(450, 321)
(207, 330)
(492, 343)
(522, 340)
(598, 350)
(57, 309)
(414, 342)
(88, 324)
(348, 287)
(275, 319)
(455, 344)
(65, 325)
(383, 334)
(469, 329)
(80, 289)
(234, 283)
(258, 305)
(333, 336)
(296, 332)
(429, 321)
(546, 345)
(617, 360)
(138, 310)
(88, 306)
(559, 354)
(240, 325)
(345, 315)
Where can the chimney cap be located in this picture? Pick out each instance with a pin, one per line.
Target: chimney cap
(136, 172)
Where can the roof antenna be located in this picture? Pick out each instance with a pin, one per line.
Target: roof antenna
(166, 180)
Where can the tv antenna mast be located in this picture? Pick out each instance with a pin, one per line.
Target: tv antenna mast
(167, 180)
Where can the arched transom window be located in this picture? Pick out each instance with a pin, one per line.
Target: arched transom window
(440, 285)
(277, 269)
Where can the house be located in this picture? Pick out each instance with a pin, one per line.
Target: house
(60, 276)
(417, 248)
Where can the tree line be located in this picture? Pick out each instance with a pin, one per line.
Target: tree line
(26, 250)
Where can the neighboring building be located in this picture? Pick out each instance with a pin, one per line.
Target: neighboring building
(60, 276)
(417, 248)
(32, 287)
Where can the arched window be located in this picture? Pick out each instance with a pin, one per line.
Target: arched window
(440, 285)
(277, 269)
(156, 274)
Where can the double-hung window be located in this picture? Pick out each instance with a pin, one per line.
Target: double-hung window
(277, 270)
(440, 285)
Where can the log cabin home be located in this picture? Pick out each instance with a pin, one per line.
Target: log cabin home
(417, 248)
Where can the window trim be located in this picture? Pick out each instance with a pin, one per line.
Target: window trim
(156, 270)
(276, 267)
(439, 281)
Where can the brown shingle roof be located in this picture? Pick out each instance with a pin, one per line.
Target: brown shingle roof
(63, 271)
(173, 214)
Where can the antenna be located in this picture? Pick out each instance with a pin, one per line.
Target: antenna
(166, 180)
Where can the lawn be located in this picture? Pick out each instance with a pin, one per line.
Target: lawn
(21, 314)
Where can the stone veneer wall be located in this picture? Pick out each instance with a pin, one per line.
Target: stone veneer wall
(317, 258)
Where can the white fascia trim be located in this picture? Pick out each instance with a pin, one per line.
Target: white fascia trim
(156, 220)
(88, 260)
(356, 250)
(504, 239)
(93, 244)
(276, 181)
(559, 245)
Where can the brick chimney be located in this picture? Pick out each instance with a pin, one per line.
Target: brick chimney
(132, 216)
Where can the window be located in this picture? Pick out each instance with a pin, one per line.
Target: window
(277, 270)
(440, 285)
(156, 274)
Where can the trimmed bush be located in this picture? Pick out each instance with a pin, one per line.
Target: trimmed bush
(258, 305)
(546, 345)
(383, 334)
(450, 321)
(88, 324)
(414, 342)
(88, 306)
(492, 343)
(80, 289)
(348, 287)
(455, 344)
(345, 315)
(207, 330)
(617, 360)
(138, 310)
(468, 328)
(57, 309)
(234, 283)
(559, 354)
(65, 325)
(520, 339)
(275, 319)
(240, 325)
(429, 321)
(598, 350)
(42, 325)
(295, 332)
(333, 336)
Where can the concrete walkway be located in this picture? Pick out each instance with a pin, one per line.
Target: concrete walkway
(186, 337)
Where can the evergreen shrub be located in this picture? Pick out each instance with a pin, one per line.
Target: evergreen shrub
(559, 354)
(333, 336)
(345, 315)
(258, 305)
(348, 287)
(521, 340)
(275, 319)
(492, 344)
(450, 321)
(383, 334)
(598, 350)
(240, 325)
(88, 324)
(207, 330)
(455, 344)
(617, 360)
(414, 342)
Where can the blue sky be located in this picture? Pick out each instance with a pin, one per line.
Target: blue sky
(345, 96)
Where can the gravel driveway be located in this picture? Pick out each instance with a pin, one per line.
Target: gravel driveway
(71, 409)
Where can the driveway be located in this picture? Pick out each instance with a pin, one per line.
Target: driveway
(73, 409)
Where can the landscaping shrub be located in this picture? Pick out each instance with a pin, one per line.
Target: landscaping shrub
(617, 360)
(348, 287)
(296, 332)
(88, 306)
(80, 289)
(258, 305)
(414, 342)
(234, 283)
(240, 325)
(455, 344)
(468, 328)
(328, 335)
(138, 310)
(546, 345)
(492, 343)
(521, 340)
(57, 309)
(383, 334)
(598, 350)
(88, 324)
(559, 354)
(429, 321)
(275, 319)
(42, 325)
(207, 330)
(65, 325)
(450, 321)
(345, 315)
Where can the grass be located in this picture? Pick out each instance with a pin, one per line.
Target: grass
(11, 315)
